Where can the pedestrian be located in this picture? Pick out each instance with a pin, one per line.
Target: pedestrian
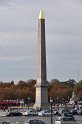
(4, 109)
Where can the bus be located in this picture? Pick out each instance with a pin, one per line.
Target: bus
(8, 103)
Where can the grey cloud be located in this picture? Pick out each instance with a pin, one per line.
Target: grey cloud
(4, 2)
(18, 37)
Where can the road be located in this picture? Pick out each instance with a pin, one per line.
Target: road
(21, 119)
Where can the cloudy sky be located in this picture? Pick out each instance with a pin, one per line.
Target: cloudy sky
(18, 39)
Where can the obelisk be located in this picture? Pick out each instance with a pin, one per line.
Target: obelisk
(42, 83)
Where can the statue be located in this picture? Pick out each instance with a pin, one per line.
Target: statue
(74, 98)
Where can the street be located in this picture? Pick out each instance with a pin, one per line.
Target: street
(22, 119)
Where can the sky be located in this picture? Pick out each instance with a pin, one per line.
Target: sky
(18, 39)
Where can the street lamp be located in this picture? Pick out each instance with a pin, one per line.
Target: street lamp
(51, 102)
(58, 102)
(28, 102)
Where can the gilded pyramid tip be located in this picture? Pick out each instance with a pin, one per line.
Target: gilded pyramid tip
(41, 15)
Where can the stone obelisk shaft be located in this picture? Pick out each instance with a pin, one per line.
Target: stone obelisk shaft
(42, 84)
(41, 57)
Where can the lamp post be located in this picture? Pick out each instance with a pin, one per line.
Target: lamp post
(58, 102)
(51, 102)
(28, 102)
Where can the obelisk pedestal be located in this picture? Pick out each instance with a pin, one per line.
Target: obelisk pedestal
(42, 83)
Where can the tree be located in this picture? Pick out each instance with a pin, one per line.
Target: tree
(60, 91)
(54, 81)
(12, 82)
(21, 84)
(70, 82)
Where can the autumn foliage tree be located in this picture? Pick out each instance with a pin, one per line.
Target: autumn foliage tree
(25, 89)
(21, 90)
(59, 91)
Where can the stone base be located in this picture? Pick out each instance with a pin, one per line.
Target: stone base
(41, 97)
(39, 106)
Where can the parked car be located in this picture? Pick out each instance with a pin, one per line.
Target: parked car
(45, 113)
(65, 120)
(79, 111)
(14, 113)
(31, 112)
(55, 112)
(5, 122)
(73, 111)
(34, 121)
(62, 111)
(67, 115)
